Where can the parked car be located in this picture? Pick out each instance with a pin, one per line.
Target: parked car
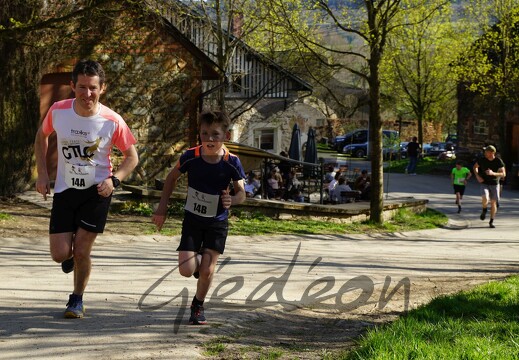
(361, 150)
(358, 137)
(355, 137)
(356, 150)
(436, 149)
(403, 149)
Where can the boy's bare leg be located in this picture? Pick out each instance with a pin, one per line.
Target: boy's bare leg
(188, 262)
(206, 270)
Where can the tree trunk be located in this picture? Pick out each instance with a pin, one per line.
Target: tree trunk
(375, 138)
(19, 116)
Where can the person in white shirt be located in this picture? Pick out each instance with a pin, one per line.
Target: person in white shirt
(86, 132)
(341, 186)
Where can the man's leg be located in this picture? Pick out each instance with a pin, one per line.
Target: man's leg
(494, 198)
(412, 164)
(484, 203)
(61, 246)
(83, 242)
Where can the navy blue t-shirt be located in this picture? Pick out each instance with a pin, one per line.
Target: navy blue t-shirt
(208, 178)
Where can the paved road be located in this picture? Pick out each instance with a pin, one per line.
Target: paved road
(135, 297)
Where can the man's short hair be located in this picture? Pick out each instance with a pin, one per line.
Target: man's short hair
(88, 68)
(490, 148)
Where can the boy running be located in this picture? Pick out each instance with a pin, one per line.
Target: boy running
(210, 169)
(459, 176)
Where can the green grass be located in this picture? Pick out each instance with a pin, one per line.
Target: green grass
(405, 220)
(479, 324)
(427, 165)
(248, 224)
(216, 346)
(4, 216)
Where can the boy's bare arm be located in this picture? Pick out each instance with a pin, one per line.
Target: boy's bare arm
(159, 217)
(239, 192)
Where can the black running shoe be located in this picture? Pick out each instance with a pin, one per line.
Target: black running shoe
(67, 265)
(196, 274)
(483, 214)
(491, 224)
(459, 209)
(197, 315)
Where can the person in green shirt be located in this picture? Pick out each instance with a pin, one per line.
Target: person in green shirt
(459, 176)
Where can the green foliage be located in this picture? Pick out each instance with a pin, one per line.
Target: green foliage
(416, 73)
(490, 66)
(477, 324)
(4, 216)
(136, 208)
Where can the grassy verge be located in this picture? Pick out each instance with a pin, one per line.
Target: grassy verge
(479, 324)
(427, 165)
(247, 223)
(405, 220)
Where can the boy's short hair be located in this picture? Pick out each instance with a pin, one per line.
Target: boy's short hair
(214, 117)
(459, 162)
(88, 68)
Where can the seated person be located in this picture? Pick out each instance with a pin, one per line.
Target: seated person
(331, 186)
(363, 184)
(293, 185)
(252, 185)
(298, 196)
(335, 195)
(330, 175)
(275, 185)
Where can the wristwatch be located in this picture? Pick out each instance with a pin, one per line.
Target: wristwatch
(115, 181)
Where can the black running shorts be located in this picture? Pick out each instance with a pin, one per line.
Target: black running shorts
(197, 235)
(459, 189)
(73, 209)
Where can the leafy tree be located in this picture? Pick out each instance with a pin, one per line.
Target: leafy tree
(371, 22)
(417, 75)
(491, 66)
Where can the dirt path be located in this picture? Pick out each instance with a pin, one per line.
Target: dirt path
(303, 296)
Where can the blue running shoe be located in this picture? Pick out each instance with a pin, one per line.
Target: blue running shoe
(197, 315)
(75, 308)
(67, 265)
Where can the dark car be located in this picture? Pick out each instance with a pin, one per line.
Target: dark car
(436, 149)
(355, 137)
(356, 150)
(358, 137)
(361, 150)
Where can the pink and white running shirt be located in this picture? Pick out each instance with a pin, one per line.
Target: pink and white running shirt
(85, 143)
